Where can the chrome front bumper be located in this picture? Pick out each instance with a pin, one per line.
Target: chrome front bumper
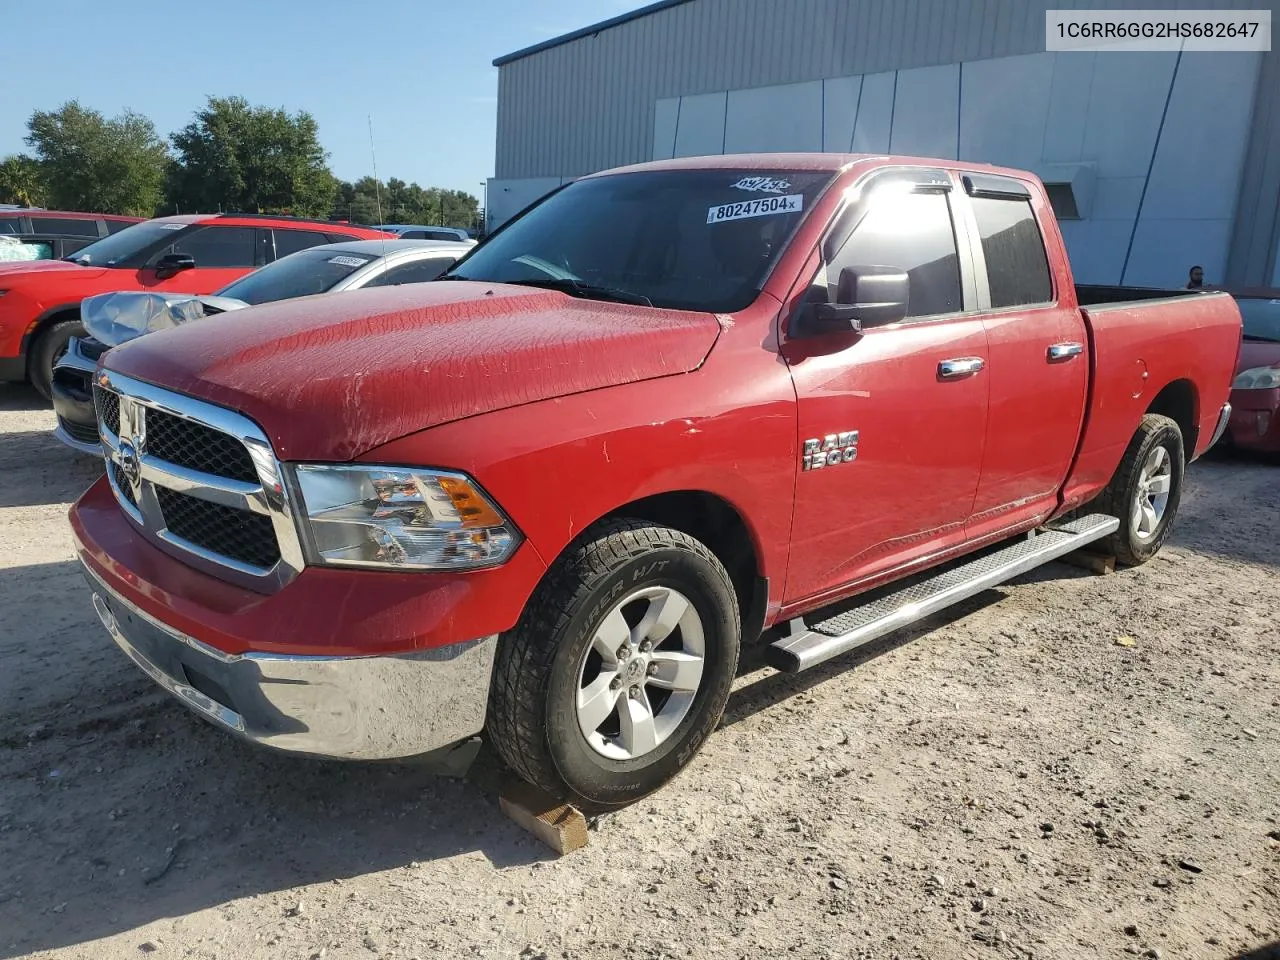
(351, 708)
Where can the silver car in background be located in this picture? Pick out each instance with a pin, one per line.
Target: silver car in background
(114, 318)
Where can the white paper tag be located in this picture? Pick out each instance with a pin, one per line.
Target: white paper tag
(172, 226)
(348, 261)
(763, 207)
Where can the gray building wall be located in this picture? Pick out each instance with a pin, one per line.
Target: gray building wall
(604, 98)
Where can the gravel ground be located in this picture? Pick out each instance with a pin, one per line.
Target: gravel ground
(1072, 766)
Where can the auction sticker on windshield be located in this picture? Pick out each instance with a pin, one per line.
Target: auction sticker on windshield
(348, 261)
(763, 207)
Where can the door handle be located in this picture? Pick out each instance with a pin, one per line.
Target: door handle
(960, 367)
(1064, 351)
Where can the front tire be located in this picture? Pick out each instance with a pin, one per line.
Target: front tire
(620, 667)
(48, 348)
(1146, 491)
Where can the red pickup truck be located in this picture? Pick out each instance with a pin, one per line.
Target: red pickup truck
(40, 300)
(670, 410)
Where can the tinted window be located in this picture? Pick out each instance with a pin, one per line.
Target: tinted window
(11, 225)
(215, 247)
(1261, 319)
(1017, 269)
(68, 225)
(413, 235)
(419, 271)
(439, 235)
(303, 274)
(115, 226)
(123, 247)
(913, 232)
(685, 239)
(291, 241)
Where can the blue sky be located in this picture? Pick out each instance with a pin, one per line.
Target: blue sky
(422, 68)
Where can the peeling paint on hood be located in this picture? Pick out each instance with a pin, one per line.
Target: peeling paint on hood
(332, 376)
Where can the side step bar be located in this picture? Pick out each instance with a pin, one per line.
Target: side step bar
(811, 643)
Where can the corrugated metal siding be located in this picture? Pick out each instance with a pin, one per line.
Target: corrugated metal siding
(588, 104)
(1255, 241)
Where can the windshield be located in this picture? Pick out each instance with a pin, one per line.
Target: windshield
(1261, 319)
(128, 243)
(684, 239)
(301, 274)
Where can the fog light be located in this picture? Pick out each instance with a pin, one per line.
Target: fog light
(1263, 422)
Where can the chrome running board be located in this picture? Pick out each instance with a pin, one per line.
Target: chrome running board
(812, 641)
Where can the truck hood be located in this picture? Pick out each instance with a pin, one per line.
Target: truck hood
(331, 376)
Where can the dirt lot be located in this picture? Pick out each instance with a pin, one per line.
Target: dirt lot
(1010, 781)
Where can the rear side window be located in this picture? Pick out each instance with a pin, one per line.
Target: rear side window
(291, 241)
(11, 226)
(911, 231)
(420, 271)
(215, 247)
(115, 226)
(1017, 268)
(68, 225)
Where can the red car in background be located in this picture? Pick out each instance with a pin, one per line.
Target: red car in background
(199, 253)
(1255, 392)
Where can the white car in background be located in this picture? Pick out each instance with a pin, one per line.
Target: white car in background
(113, 318)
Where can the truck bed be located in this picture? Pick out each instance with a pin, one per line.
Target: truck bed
(1104, 295)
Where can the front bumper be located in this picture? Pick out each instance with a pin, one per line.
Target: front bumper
(352, 708)
(72, 394)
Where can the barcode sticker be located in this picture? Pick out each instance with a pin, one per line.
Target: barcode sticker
(763, 207)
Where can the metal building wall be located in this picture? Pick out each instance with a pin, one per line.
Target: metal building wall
(588, 104)
(566, 109)
(1255, 242)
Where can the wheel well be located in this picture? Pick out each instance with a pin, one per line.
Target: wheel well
(70, 311)
(713, 521)
(1178, 401)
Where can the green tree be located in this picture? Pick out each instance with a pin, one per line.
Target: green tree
(405, 203)
(22, 181)
(98, 165)
(234, 156)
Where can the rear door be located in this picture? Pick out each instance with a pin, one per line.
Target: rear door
(1038, 363)
(897, 413)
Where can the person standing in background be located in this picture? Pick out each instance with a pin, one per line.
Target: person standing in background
(1195, 278)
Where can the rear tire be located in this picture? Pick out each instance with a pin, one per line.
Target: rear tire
(620, 667)
(48, 348)
(1145, 491)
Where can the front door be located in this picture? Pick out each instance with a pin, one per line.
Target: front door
(897, 414)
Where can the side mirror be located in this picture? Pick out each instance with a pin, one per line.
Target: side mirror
(865, 297)
(173, 263)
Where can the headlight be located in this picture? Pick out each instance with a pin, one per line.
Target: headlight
(401, 518)
(1258, 378)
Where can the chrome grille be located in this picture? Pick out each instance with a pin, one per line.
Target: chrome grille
(197, 447)
(200, 481)
(242, 536)
(122, 487)
(108, 405)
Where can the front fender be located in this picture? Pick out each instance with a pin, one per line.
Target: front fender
(557, 466)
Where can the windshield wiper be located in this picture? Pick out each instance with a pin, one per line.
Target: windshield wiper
(588, 291)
